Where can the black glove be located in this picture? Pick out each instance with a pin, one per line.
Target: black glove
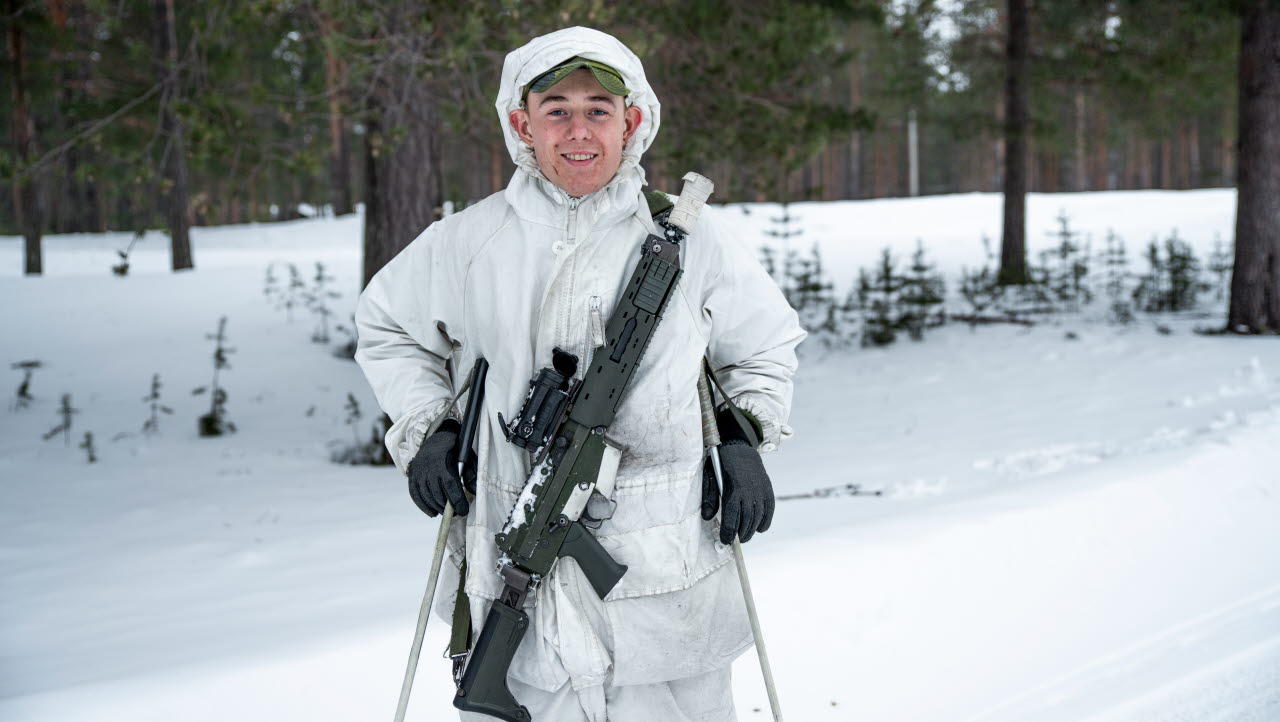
(748, 494)
(433, 473)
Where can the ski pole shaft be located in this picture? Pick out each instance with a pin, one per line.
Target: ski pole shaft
(474, 381)
(711, 440)
(424, 613)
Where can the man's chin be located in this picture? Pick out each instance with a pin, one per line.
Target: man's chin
(578, 187)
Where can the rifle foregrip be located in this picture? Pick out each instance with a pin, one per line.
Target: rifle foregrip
(602, 571)
(484, 682)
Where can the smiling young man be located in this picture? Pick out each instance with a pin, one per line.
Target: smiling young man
(540, 266)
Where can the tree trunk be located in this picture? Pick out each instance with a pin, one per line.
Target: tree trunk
(1255, 281)
(1101, 167)
(913, 155)
(339, 156)
(404, 185)
(1166, 164)
(1146, 172)
(1079, 168)
(26, 191)
(1182, 158)
(1194, 176)
(1227, 148)
(175, 165)
(1013, 244)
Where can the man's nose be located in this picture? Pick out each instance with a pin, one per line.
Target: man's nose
(579, 128)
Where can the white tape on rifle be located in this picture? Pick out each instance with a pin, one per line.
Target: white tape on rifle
(697, 189)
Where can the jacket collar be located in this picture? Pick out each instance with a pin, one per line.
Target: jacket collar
(537, 200)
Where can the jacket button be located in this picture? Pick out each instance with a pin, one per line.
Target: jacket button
(558, 247)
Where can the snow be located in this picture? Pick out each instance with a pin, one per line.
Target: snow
(1078, 521)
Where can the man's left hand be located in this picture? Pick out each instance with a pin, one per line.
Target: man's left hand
(748, 501)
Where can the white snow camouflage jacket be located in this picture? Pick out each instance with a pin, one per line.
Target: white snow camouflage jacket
(530, 269)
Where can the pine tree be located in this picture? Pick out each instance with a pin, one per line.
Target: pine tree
(65, 411)
(1116, 279)
(1066, 266)
(782, 232)
(87, 445)
(22, 397)
(215, 422)
(155, 408)
(1172, 282)
(923, 293)
(811, 294)
(883, 307)
(317, 298)
(1219, 266)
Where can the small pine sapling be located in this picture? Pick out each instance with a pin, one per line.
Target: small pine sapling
(353, 415)
(65, 411)
(811, 294)
(215, 422)
(980, 290)
(783, 231)
(769, 259)
(152, 424)
(270, 287)
(122, 268)
(22, 397)
(1173, 280)
(883, 308)
(923, 291)
(1115, 264)
(87, 445)
(291, 294)
(1066, 266)
(317, 300)
(348, 349)
(1150, 294)
(371, 452)
(1221, 262)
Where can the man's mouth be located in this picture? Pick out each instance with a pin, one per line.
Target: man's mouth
(578, 158)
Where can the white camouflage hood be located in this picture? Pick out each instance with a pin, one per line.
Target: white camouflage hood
(543, 53)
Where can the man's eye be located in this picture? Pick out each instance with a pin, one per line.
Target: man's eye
(599, 111)
(557, 111)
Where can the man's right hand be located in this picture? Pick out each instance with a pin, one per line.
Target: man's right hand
(433, 473)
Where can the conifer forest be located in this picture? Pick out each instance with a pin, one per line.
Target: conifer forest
(127, 115)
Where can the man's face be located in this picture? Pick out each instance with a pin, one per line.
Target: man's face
(577, 130)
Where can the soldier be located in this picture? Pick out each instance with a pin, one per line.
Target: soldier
(540, 266)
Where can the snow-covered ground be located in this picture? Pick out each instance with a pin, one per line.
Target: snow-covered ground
(1077, 521)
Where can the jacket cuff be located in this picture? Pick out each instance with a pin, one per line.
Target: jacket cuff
(406, 436)
(773, 431)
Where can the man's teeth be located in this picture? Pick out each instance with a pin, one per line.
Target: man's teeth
(579, 156)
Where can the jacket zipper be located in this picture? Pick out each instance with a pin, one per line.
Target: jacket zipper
(571, 227)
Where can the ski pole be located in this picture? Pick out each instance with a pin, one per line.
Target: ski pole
(470, 420)
(711, 440)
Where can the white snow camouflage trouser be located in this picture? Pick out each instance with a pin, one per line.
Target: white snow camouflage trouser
(705, 698)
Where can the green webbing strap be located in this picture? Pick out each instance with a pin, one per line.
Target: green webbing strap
(747, 421)
(460, 640)
(658, 202)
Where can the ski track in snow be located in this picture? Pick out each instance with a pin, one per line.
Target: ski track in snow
(1074, 525)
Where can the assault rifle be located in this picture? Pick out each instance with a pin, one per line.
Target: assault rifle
(563, 423)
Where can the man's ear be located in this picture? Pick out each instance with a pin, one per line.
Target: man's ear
(519, 120)
(631, 116)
